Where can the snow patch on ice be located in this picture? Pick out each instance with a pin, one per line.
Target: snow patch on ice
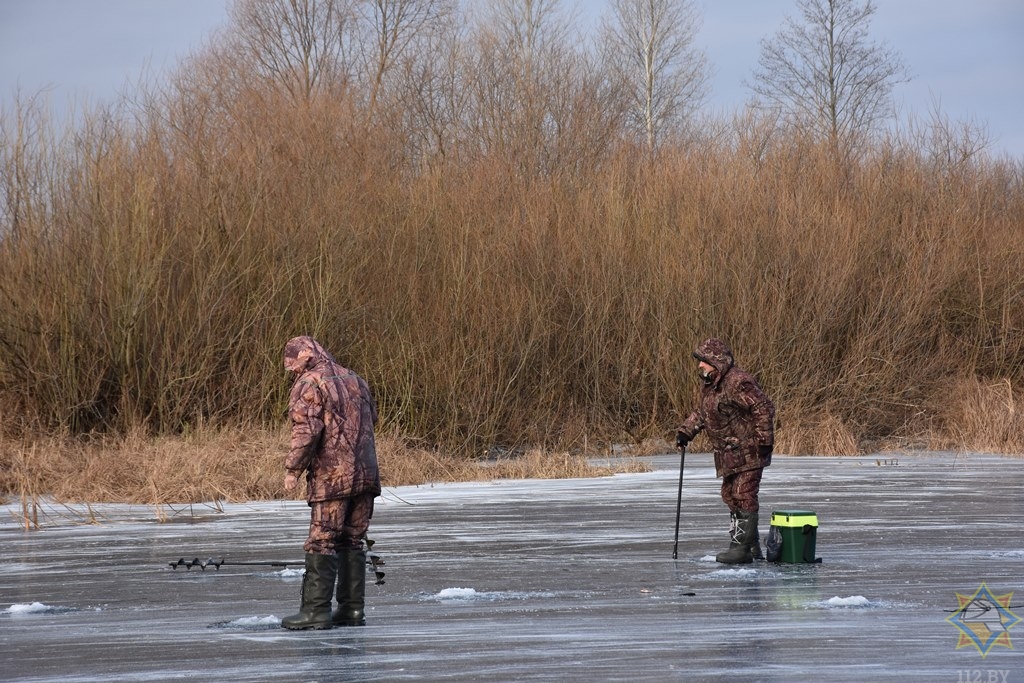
(290, 573)
(256, 621)
(708, 558)
(473, 595)
(735, 573)
(850, 601)
(251, 623)
(28, 608)
(40, 608)
(457, 594)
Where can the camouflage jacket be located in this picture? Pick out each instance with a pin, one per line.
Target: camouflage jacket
(332, 416)
(734, 412)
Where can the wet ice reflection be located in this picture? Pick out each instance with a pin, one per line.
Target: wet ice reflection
(539, 580)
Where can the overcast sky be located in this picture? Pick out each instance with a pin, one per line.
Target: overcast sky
(966, 56)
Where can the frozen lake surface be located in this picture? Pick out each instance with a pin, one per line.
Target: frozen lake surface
(554, 580)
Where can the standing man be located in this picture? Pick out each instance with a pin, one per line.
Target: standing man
(740, 423)
(332, 416)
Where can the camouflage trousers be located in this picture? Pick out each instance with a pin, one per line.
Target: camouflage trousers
(338, 524)
(739, 491)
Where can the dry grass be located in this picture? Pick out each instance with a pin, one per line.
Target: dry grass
(979, 416)
(823, 434)
(418, 466)
(229, 465)
(233, 466)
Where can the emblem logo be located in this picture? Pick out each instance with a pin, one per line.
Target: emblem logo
(984, 620)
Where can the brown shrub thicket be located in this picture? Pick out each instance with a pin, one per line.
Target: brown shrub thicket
(521, 277)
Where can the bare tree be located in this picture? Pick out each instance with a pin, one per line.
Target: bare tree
(431, 91)
(297, 44)
(648, 47)
(397, 27)
(824, 73)
(951, 145)
(520, 62)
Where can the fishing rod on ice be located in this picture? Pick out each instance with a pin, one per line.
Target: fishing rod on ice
(374, 561)
(371, 560)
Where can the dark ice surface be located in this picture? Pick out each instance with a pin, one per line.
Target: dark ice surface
(554, 580)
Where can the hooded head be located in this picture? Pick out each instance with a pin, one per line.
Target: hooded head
(715, 353)
(302, 353)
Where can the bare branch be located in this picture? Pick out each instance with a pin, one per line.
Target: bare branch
(297, 44)
(648, 46)
(824, 73)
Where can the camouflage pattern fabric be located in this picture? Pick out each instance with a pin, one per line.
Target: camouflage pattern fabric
(338, 524)
(739, 491)
(733, 411)
(332, 415)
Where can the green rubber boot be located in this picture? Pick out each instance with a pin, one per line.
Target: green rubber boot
(744, 537)
(351, 588)
(317, 587)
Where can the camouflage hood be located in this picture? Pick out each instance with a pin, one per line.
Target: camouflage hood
(715, 353)
(303, 353)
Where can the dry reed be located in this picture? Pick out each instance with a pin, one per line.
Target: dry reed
(495, 291)
(234, 465)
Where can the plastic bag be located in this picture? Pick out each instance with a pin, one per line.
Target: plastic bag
(773, 545)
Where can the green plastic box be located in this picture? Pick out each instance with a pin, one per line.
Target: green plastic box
(799, 530)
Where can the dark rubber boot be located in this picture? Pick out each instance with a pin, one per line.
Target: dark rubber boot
(744, 537)
(317, 587)
(755, 546)
(755, 549)
(351, 588)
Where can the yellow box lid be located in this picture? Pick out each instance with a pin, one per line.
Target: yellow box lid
(794, 518)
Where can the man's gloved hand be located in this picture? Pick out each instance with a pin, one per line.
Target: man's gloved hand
(681, 440)
(765, 451)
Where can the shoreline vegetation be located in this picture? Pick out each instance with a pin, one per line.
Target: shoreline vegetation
(481, 231)
(215, 465)
(56, 482)
(238, 465)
